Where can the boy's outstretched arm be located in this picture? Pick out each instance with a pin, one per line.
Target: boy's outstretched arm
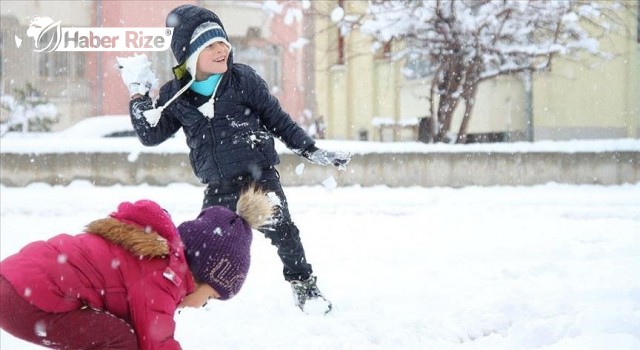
(147, 134)
(282, 126)
(139, 78)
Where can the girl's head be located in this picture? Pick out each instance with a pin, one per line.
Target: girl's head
(218, 242)
(200, 296)
(217, 246)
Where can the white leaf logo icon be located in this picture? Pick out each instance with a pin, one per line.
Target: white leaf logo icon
(46, 34)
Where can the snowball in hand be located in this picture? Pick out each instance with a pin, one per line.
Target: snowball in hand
(137, 74)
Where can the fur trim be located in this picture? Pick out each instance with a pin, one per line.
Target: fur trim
(254, 207)
(133, 238)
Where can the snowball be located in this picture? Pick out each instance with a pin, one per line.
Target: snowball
(330, 184)
(137, 69)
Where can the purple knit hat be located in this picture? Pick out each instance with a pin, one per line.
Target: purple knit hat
(218, 249)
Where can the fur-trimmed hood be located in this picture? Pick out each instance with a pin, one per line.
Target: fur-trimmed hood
(141, 242)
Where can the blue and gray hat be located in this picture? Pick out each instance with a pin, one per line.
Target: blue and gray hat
(194, 28)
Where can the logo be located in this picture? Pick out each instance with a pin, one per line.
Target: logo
(49, 36)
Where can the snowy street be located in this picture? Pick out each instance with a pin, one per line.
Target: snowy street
(544, 267)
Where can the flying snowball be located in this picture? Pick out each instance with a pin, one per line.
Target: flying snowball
(330, 184)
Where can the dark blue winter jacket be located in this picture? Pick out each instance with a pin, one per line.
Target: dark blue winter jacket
(238, 140)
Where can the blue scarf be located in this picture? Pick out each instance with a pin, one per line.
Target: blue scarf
(208, 86)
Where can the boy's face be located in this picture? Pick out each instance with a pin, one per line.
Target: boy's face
(212, 60)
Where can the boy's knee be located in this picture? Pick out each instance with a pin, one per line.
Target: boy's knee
(283, 234)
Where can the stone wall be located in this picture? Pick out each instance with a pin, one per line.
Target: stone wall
(395, 170)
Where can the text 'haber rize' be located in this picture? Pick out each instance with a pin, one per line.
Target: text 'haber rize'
(132, 40)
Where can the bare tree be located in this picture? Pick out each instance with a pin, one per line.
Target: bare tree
(466, 42)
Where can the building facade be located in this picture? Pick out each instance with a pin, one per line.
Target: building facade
(85, 84)
(358, 90)
(338, 81)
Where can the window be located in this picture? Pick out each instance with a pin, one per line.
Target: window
(417, 65)
(340, 40)
(60, 64)
(164, 60)
(8, 48)
(418, 68)
(1, 54)
(384, 51)
(266, 59)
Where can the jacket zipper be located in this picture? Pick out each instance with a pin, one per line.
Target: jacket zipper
(213, 136)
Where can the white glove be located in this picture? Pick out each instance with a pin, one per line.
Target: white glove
(323, 157)
(137, 74)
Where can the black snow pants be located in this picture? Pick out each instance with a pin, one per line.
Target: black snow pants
(282, 232)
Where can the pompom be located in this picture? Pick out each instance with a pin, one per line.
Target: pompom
(255, 207)
(153, 115)
(207, 109)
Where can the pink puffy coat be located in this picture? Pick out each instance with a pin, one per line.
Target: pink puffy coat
(135, 271)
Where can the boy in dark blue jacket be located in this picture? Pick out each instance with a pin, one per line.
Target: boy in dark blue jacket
(230, 119)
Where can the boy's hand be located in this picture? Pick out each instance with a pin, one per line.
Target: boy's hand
(323, 157)
(137, 74)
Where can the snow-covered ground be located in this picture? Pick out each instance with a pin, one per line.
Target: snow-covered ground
(545, 267)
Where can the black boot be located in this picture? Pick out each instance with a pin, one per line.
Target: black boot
(308, 297)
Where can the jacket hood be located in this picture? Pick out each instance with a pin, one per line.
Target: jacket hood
(184, 20)
(148, 244)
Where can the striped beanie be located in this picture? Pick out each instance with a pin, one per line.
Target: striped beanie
(187, 51)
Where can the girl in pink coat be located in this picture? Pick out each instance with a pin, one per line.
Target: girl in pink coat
(118, 284)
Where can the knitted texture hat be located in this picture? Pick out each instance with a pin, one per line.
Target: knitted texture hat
(204, 35)
(184, 20)
(218, 242)
(195, 28)
(217, 246)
